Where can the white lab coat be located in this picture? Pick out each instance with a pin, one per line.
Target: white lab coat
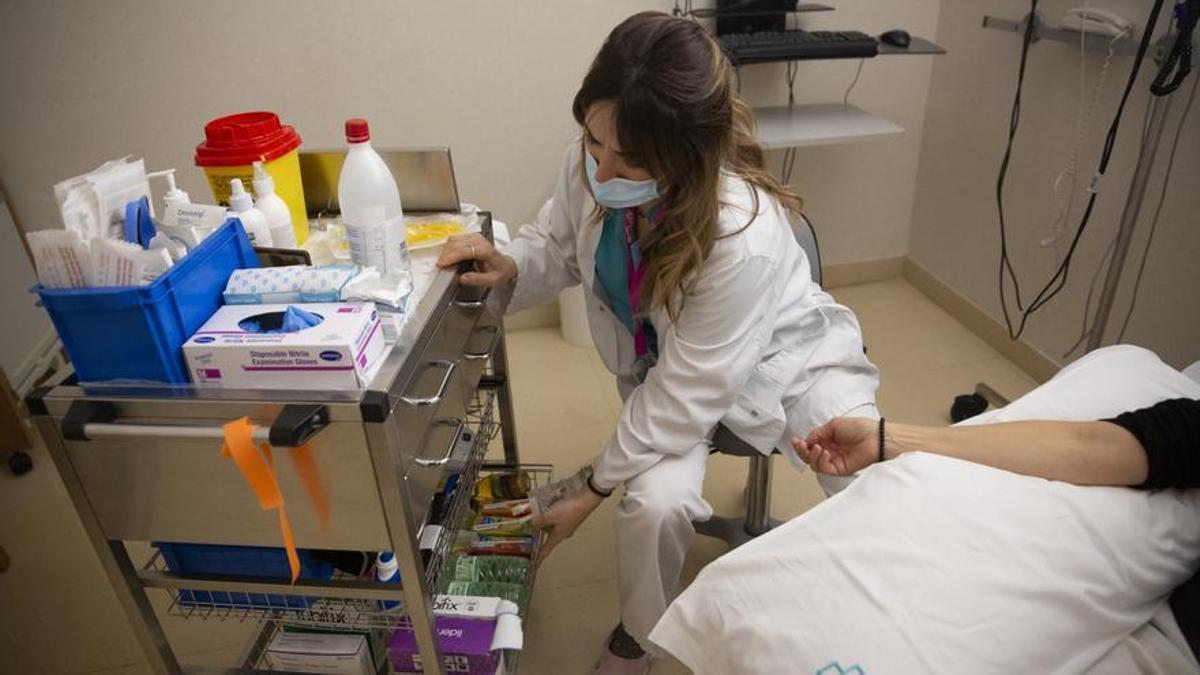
(756, 345)
(751, 340)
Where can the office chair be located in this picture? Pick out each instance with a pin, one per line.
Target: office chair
(737, 531)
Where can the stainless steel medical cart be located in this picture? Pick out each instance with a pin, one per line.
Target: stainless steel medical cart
(145, 464)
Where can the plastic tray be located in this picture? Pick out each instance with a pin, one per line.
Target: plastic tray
(136, 333)
(243, 561)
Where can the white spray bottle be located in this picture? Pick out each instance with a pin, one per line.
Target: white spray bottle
(279, 217)
(241, 206)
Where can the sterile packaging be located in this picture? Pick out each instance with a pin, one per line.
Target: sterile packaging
(189, 224)
(513, 508)
(392, 321)
(338, 653)
(93, 204)
(490, 526)
(62, 258)
(392, 290)
(342, 351)
(295, 283)
(521, 547)
(120, 263)
(200, 216)
(471, 631)
(376, 638)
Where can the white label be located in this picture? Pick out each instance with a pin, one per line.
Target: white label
(367, 237)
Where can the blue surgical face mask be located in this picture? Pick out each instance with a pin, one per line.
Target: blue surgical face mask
(619, 193)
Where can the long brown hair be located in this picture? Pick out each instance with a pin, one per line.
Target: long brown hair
(676, 115)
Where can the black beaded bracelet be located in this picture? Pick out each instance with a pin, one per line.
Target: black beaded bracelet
(881, 456)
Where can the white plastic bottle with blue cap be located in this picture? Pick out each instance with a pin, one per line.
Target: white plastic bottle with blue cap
(387, 570)
(241, 206)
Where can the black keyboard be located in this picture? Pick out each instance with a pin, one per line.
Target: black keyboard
(797, 44)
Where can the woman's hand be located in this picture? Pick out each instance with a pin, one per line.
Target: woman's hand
(840, 447)
(493, 267)
(561, 520)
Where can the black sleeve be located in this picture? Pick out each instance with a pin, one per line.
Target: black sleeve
(1169, 431)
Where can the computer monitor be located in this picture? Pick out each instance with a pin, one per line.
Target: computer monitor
(750, 16)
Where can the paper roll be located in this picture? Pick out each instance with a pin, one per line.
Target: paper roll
(508, 633)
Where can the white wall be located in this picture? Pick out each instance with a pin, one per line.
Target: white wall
(955, 232)
(84, 82)
(859, 195)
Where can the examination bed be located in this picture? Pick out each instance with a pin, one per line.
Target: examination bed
(932, 564)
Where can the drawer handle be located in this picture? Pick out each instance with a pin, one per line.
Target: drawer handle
(472, 304)
(293, 427)
(441, 390)
(445, 459)
(483, 355)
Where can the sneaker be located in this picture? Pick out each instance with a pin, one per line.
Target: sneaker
(622, 656)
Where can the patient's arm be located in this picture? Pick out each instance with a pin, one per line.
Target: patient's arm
(1154, 447)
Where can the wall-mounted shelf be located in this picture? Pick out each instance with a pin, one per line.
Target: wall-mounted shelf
(916, 46)
(713, 13)
(1041, 31)
(784, 126)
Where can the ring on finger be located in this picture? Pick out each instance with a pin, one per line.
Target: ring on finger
(472, 251)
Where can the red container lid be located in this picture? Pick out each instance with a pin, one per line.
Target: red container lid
(245, 138)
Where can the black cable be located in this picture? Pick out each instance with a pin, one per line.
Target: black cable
(1162, 196)
(1059, 279)
(1179, 58)
(1014, 120)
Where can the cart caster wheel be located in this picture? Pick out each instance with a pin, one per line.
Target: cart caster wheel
(967, 406)
(20, 463)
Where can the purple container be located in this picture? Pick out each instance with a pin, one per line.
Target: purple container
(466, 646)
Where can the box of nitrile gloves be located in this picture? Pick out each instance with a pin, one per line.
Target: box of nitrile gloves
(466, 628)
(308, 346)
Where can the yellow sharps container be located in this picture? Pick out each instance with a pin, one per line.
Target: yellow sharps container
(231, 146)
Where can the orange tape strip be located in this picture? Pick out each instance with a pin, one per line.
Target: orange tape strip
(302, 458)
(258, 468)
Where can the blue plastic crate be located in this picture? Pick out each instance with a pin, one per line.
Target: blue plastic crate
(243, 561)
(137, 333)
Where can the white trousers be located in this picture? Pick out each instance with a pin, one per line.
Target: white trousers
(654, 528)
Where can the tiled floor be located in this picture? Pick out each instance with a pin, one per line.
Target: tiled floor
(58, 615)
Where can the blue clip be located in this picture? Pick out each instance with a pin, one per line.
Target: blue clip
(139, 226)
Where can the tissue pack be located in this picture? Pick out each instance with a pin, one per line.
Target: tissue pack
(295, 283)
(343, 351)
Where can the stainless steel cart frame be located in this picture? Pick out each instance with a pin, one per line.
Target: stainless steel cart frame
(144, 464)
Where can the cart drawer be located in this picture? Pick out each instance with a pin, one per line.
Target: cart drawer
(479, 348)
(185, 490)
(428, 434)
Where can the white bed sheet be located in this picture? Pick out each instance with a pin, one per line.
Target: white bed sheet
(929, 564)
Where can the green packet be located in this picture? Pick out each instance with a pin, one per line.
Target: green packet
(509, 569)
(490, 589)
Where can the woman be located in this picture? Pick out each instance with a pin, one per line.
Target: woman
(699, 299)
